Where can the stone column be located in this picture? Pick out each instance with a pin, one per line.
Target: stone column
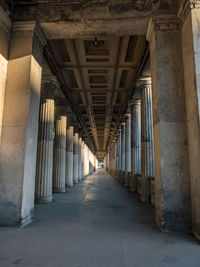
(190, 22)
(44, 171)
(127, 149)
(75, 158)
(172, 183)
(60, 148)
(82, 160)
(79, 159)
(69, 156)
(123, 153)
(87, 161)
(119, 154)
(20, 122)
(147, 139)
(135, 106)
(117, 157)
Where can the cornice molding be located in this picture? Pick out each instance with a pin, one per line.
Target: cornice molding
(194, 3)
(5, 22)
(168, 23)
(165, 23)
(29, 28)
(185, 9)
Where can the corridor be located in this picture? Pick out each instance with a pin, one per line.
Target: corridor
(97, 223)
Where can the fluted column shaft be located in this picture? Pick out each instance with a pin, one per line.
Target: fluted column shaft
(60, 150)
(147, 140)
(44, 171)
(122, 178)
(119, 148)
(82, 160)
(135, 143)
(79, 159)
(69, 156)
(127, 149)
(86, 161)
(75, 160)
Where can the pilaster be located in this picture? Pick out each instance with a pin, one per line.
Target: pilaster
(170, 134)
(20, 124)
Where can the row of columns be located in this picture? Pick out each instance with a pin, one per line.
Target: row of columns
(63, 160)
(131, 158)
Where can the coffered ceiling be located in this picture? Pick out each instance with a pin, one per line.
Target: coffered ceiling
(99, 73)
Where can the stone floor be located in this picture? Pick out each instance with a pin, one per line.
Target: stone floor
(96, 224)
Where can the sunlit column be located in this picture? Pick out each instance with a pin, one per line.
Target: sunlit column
(75, 158)
(44, 172)
(135, 106)
(60, 148)
(147, 139)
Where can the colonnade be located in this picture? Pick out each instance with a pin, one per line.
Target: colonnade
(131, 156)
(63, 158)
(156, 147)
(42, 150)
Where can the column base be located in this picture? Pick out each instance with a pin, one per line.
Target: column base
(44, 200)
(68, 185)
(172, 222)
(59, 190)
(138, 179)
(133, 183)
(122, 177)
(127, 179)
(153, 192)
(26, 221)
(145, 189)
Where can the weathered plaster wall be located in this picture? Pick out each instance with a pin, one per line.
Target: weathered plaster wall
(191, 61)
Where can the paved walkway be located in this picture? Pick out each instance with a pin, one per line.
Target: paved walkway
(95, 224)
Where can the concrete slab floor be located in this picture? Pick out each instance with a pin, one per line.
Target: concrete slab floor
(98, 223)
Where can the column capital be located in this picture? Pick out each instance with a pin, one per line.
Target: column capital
(128, 112)
(133, 103)
(185, 9)
(29, 28)
(5, 22)
(194, 4)
(61, 108)
(49, 85)
(162, 23)
(144, 82)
